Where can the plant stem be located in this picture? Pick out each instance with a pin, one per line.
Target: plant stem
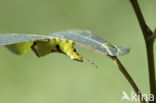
(145, 29)
(147, 33)
(128, 77)
(150, 55)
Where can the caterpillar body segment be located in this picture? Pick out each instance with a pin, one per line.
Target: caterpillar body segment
(20, 48)
(41, 47)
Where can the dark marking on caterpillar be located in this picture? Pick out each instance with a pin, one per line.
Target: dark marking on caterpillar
(33, 49)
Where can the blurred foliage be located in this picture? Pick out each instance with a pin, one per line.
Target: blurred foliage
(56, 78)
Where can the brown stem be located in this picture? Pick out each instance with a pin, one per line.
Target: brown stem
(147, 33)
(128, 77)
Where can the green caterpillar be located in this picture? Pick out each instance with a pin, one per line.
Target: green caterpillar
(45, 46)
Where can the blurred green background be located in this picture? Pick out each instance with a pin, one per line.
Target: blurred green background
(56, 78)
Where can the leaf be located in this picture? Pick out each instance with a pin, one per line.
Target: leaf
(88, 40)
(81, 38)
(6, 39)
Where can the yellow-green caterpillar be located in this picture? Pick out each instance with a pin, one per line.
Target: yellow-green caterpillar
(45, 46)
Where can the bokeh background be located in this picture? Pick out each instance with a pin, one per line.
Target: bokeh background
(58, 79)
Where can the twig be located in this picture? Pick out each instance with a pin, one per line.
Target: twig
(128, 77)
(147, 33)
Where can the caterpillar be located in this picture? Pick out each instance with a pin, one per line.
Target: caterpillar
(44, 47)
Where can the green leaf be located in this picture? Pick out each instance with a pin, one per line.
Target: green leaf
(6, 39)
(88, 40)
(81, 38)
